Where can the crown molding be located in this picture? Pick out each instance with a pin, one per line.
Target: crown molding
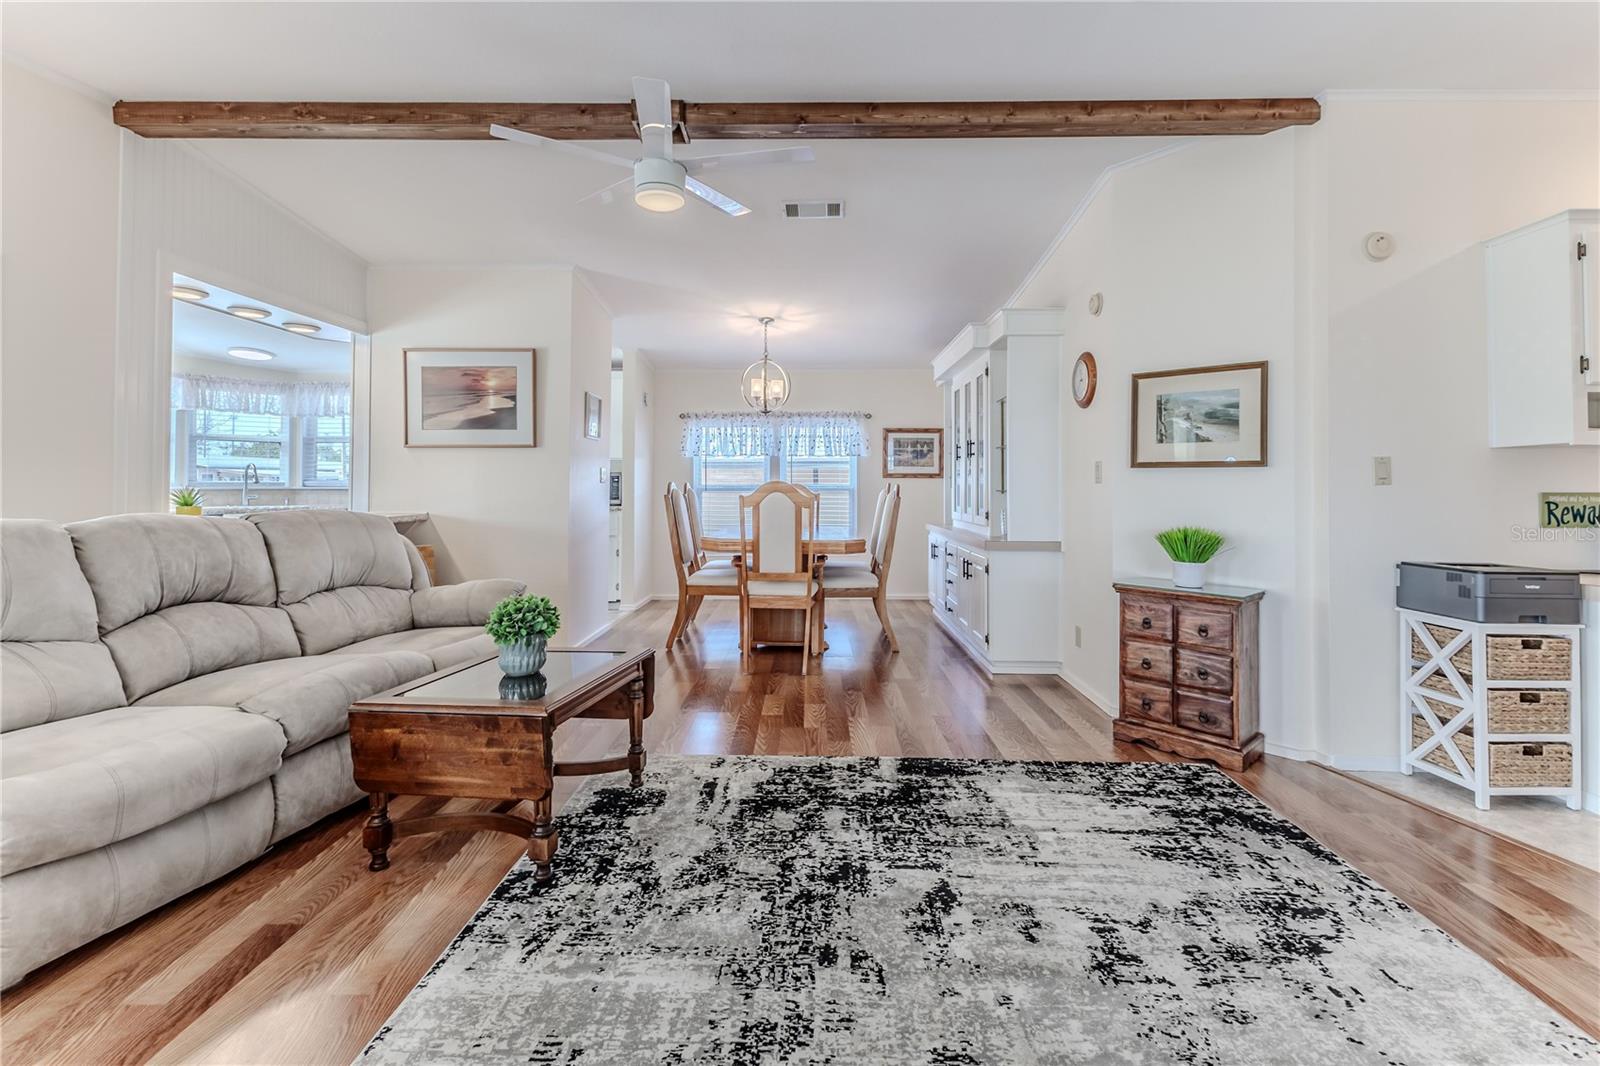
(1404, 96)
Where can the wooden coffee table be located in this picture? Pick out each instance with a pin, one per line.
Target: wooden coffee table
(470, 731)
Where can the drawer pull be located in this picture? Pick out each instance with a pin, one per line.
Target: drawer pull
(1528, 697)
(1144, 623)
(1202, 673)
(1207, 718)
(1533, 750)
(1532, 643)
(1144, 704)
(1204, 630)
(1144, 664)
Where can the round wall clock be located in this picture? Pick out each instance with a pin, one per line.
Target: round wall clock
(1084, 377)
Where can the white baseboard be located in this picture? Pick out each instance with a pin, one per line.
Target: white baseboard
(627, 608)
(1363, 763)
(598, 633)
(923, 596)
(1026, 666)
(1106, 707)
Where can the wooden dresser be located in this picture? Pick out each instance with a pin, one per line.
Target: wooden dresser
(1190, 669)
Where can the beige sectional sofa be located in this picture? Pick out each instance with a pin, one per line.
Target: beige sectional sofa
(174, 695)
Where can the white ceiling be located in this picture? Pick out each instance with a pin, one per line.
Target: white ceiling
(203, 330)
(937, 232)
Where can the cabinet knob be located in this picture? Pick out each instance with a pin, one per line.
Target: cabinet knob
(1207, 718)
(1144, 623)
(1203, 629)
(1202, 673)
(1144, 663)
(1144, 704)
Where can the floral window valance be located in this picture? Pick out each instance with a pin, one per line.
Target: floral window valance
(723, 434)
(305, 399)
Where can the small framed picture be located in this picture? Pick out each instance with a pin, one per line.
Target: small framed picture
(1201, 416)
(469, 397)
(913, 452)
(591, 416)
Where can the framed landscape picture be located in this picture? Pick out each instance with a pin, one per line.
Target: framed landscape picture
(469, 397)
(1201, 416)
(591, 416)
(913, 452)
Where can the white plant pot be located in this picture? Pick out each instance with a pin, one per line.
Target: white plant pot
(1189, 575)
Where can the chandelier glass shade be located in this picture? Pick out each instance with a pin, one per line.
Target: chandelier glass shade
(765, 386)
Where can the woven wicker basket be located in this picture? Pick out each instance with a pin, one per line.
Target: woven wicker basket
(1529, 710)
(1462, 659)
(1530, 765)
(1439, 683)
(1529, 658)
(1420, 734)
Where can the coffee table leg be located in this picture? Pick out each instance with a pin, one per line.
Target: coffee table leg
(636, 732)
(542, 845)
(378, 833)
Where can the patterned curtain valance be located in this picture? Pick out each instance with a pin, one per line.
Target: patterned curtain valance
(728, 434)
(307, 399)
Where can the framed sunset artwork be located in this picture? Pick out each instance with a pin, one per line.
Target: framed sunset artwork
(469, 398)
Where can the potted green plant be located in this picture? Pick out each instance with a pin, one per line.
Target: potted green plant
(1190, 548)
(187, 501)
(520, 626)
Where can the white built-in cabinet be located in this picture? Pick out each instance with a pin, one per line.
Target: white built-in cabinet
(1542, 300)
(994, 560)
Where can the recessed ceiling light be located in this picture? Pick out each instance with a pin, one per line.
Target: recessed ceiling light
(255, 354)
(243, 311)
(302, 327)
(188, 292)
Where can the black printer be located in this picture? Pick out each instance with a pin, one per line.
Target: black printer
(1485, 592)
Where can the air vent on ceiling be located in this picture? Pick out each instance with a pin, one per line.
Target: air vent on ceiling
(814, 209)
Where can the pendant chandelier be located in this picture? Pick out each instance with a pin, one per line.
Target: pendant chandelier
(765, 386)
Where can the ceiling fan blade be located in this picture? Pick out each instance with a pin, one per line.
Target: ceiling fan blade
(607, 194)
(715, 198)
(760, 157)
(652, 103)
(509, 133)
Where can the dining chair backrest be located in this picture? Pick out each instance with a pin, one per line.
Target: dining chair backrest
(877, 517)
(774, 522)
(882, 545)
(696, 535)
(679, 528)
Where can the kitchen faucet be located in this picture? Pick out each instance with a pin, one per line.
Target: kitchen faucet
(250, 473)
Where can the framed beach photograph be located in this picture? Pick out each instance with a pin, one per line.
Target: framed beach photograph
(591, 416)
(1201, 416)
(913, 452)
(469, 397)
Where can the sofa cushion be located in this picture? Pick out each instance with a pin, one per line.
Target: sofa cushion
(445, 645)
(179, 597)
(51, 657)
(308, 697)
(72, 786)
(342, 576)
(465, 604)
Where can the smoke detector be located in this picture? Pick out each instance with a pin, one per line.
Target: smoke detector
(814, 209)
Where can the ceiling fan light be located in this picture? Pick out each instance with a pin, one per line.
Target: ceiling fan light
(658, 196)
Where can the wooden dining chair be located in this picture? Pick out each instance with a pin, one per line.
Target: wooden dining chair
(843, 581)
(772, 569)
(701, 558)
(695, 582)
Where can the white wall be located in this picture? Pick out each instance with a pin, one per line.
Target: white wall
(498, 512)
(892, 397)
(589, 498)
(1407, 367)
(640, 496)
(58, 276)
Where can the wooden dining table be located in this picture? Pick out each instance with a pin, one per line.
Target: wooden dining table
(782, 625)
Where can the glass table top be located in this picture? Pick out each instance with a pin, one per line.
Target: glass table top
(485, 681)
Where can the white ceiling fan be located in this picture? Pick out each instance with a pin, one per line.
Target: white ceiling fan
(659, 181)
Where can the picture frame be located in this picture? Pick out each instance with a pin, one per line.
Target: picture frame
(1202, 416)
(470, 397)
(591, 416)
(913, 451)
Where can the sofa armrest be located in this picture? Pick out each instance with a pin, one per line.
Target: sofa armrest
(466, 604)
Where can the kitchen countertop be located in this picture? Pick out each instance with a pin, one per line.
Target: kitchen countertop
(994, 544)
(403, 520)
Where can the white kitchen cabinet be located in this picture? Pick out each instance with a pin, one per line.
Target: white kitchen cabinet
(936, 550)
(1542, 299)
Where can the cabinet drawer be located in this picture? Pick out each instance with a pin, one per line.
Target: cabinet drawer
(1204, 714)
(1151, 702)
(1147, 618)
(1143, 661)
(1205, 626)
(1198, 669)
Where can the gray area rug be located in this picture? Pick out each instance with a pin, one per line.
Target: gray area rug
(939, 911)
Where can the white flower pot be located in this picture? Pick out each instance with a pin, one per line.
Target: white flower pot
(1189, 575)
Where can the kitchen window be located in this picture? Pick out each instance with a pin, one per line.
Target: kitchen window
(719, 481)
(296, 435)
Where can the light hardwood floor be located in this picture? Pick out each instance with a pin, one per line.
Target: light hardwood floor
(299, 957)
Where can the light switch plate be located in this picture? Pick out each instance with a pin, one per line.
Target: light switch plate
(1382, 470)
(605, 475)
(1077, 636)
(1099, 472)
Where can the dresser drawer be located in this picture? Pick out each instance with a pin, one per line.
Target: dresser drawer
(1199, 669)
(1203, 714)
(1150, 619)
(1205, 626)
(1143, 661)
(1151, 702)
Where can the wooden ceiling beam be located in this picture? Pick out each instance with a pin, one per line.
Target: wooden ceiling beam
(750, 121)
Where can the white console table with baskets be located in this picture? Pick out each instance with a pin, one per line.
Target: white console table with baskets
(1492, 707)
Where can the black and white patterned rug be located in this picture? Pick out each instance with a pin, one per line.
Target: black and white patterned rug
(938, 911)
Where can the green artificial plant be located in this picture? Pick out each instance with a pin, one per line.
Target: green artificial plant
(522, 619)
(186, 498)
(1190, 544)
